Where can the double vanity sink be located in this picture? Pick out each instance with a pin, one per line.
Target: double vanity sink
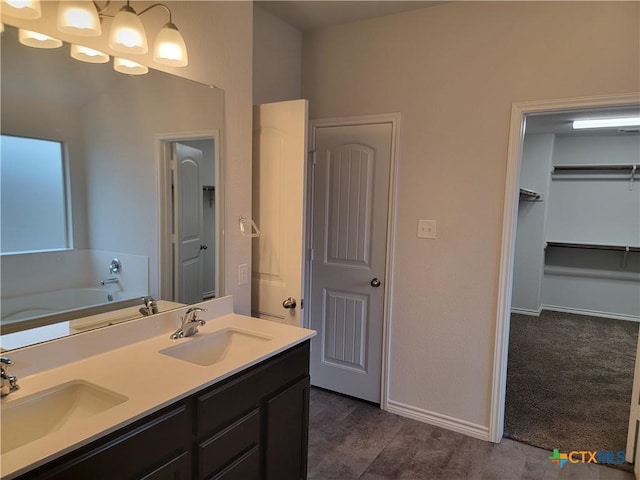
(78, 389)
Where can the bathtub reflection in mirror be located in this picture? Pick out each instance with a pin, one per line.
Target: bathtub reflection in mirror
(113, 193)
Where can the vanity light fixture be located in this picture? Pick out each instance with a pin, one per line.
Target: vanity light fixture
(89, 55)
(607, 123)
(37, 40)
(126, 34)
(27, 9)
(123, 65)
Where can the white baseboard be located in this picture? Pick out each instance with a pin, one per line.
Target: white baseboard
(592, 313)
(439, 420)
(524, 311)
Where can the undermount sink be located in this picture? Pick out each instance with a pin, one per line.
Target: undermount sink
(27, 419)
(214, 347)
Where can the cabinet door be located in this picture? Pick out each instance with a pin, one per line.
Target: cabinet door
(287, 422)
(178, 468)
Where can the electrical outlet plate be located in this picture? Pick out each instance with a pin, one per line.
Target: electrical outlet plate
(427, 229)
(243, 274)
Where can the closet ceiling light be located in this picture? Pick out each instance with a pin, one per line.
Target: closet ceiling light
(607, 122)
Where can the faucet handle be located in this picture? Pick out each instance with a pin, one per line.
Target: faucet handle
(196, 310)
(191, 315)
(4, 363)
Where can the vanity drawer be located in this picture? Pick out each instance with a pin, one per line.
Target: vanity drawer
(246, 467)
(146, 448)
(229, 445)
(222, 405)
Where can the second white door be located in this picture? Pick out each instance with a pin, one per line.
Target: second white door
(188, 280)
(350, 215)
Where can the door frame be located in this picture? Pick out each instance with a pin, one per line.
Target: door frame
(164, 212)
(519, 111)
(394, 119)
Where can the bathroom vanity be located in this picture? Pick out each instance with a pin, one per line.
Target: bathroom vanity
(230, 402)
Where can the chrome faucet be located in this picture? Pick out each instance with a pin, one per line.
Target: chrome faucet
(190, 324)
(150, 306)
(109, 281)
(9, 382)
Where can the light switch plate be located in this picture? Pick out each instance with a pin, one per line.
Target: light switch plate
(427, 229)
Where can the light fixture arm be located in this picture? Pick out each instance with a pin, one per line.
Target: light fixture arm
(101, 10)
(158, 5)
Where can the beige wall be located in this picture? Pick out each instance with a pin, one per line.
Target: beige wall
(219, 37)
(277, 58)
(453, 71)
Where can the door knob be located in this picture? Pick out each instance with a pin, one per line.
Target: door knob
(289, 303)
(203, 247)
(375, 283)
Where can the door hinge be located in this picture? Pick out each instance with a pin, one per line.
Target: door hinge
(312, 156)
(311, 255)
(301, 303)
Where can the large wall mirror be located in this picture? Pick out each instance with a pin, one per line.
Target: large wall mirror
(111, 192)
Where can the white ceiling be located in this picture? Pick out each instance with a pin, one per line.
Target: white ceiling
(310, 14)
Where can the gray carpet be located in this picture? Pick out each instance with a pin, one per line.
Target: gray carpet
(569, 381)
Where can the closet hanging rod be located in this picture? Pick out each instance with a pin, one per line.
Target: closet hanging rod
(568, 168)
(590, 246)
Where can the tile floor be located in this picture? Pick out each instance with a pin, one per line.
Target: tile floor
(350, 439)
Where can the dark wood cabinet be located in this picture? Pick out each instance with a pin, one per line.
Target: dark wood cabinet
(253, 425)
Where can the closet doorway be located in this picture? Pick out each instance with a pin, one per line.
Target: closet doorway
(570, 254)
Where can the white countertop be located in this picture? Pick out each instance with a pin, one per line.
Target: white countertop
(125, 358)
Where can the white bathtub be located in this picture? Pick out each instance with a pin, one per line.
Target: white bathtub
(25, 307)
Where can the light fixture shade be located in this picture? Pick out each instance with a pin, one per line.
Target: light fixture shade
(170, 48)
(127, 33)
(123, 65)
(29, 9)
(79, 18)
(37, 40)
(89, 55)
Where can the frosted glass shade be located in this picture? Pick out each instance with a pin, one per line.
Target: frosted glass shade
(37, 40)
(127, 33)
(89, 55)
(170, 48)
(79, 18)
(123, 65)
(29, 9)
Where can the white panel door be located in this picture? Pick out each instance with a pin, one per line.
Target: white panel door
(350, 210)
(279, 157)
(188, 281)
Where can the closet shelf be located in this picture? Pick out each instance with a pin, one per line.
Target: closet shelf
(593, 246)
